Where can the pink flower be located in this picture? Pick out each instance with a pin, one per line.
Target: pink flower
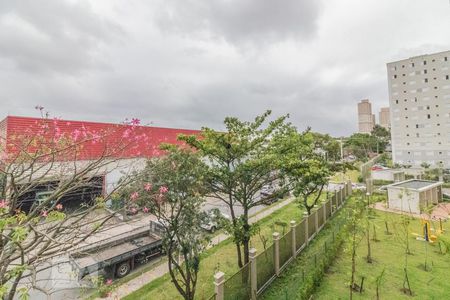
(148, 186)
(76, 134)
(3, 203)
(133, 210)
(44, 213)
(59, 206)
(109, 282)
(134, 196)
(145, 209)
(126, 133)
(163, 189)
(135, 121)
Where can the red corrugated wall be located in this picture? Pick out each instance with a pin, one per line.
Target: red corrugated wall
(118, 135)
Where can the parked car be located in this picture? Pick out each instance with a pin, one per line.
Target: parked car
(271, 194)
(214, 219)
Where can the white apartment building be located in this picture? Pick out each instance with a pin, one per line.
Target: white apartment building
(419, 98)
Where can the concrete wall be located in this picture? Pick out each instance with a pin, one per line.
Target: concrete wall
(388, 175)
(398, 199)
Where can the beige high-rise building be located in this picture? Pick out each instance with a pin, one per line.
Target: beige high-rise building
(366, 120)
(419, 98)
(385, 118)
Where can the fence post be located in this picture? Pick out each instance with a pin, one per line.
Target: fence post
(316, 219)
(276, 248)
(306, 217)
(294, 242)
(253, 273)
(335, 200)
(219, 280)
(350, 188)
(324, 205)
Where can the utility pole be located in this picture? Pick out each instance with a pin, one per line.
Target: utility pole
(342, 160)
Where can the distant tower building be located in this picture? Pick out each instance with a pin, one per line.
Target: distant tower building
(385, 118)
(366, 120)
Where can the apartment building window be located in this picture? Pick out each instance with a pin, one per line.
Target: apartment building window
(435, 87)
(404, 82)
(433, 60)
(428, 107)
(403, 75)
(445, 58)
(446, 77)
(403, 66)
(417, 125)
(412, 65)
(395, 76)
(425, 80)
(396, 101)
(428, 116)
(424, 62)
(425, 71)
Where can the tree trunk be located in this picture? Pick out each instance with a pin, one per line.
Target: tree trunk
(233, 219)
(246, 239)
(369, 252)
(239, 254)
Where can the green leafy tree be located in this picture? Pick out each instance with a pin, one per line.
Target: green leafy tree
(360, 145)
(242, 160)
(173, 189)
(307, 169)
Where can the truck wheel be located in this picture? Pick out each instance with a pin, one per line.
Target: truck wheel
(123, 269)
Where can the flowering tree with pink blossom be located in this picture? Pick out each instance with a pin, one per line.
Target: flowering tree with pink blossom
(172, 188)
(46, 157)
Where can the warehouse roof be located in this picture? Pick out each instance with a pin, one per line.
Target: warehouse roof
(136, 140)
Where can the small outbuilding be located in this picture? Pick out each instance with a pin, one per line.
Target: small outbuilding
(392, 175)
(414, 195)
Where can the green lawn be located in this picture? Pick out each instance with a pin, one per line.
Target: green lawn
(388, 254)
(221, 257)
(348, 175)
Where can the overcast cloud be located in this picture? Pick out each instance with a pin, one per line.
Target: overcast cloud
(190, 63)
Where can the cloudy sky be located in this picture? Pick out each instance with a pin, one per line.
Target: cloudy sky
(190, 63)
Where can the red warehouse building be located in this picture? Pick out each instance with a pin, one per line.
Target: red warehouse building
(128, 145)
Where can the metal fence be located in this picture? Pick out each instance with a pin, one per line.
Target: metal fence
(266, 266)
(285, 248)
(237, 287)
(311, 224)
(300, 234)
(328, 207)
(320, 216)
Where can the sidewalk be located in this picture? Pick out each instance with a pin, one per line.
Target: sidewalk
(138, 282)
(440, 211)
